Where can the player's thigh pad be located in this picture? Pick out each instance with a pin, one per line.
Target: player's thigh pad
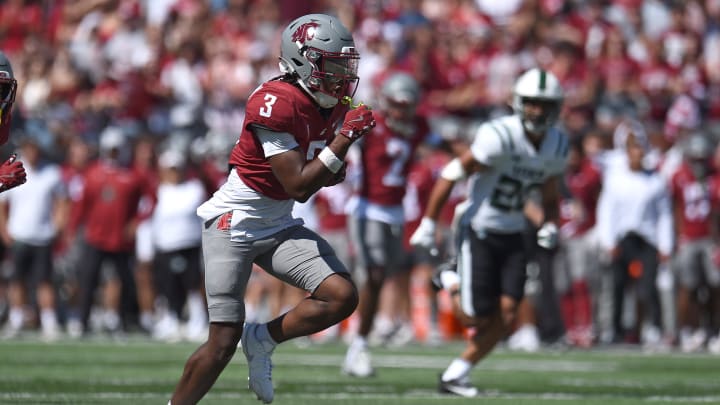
(301, 258)
(489, 268)
(227, 269)
(687, 264)
(377, 244)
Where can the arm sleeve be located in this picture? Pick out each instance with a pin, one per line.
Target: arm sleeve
(274, 143)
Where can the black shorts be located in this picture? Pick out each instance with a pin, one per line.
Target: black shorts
(31, 263)
(489, 268)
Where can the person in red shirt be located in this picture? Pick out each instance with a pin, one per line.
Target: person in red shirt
(108, 212)
(695, 193)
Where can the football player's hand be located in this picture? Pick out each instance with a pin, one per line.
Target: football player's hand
(424, 235)
(358, 122)
(339, 177)
(12, 174)
(547, 236)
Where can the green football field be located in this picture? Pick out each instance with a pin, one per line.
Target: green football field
(138, 371)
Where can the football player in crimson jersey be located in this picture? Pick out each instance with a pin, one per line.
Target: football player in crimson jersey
(509, 159)
(289, 148)
(695, 195)
(12, 172)
(576, 260)
(376, 213)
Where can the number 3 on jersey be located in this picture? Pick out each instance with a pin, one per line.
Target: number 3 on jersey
(269, 101)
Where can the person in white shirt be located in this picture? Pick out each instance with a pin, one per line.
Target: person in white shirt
(30, 219)
(176, 237)
(635, 228)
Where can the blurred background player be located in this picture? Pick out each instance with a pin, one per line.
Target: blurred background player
(509, 157)
(289, 119)
(695, 195)
(376, 213)
(576, 263)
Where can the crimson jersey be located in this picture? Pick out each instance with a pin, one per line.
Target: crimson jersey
(385, 162)
(693, 201)
(281, 107)
(330, 205)
(579, 201)
(108, 204)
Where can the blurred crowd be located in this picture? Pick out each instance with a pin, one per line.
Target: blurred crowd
(151, 95)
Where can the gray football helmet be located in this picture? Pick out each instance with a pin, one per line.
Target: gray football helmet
(399, 97)
(320, 51)
(8, 84)
(540, 86)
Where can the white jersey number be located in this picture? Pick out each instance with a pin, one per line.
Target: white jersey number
(269, 101)
(399, 151)
(697, 203)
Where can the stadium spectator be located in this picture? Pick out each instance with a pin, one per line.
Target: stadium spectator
(145, 165)
(31, 217)
(108, 213)
(276, 162)
(635, 229)
(175, 230)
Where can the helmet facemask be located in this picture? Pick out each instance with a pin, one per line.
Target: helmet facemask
(333, 75)
(538, 114)
(8, 89)
(319, 52)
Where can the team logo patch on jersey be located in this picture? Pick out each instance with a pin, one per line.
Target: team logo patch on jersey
(305, 32)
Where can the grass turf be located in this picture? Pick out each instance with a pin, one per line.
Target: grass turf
(138, 371)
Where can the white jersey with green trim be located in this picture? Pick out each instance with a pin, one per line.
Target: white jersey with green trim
(497, 195)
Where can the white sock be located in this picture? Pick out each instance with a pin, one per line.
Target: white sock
(146, 320)
(111, 319)
(358, 343)
(48, 320)
(458, 369)
(196, 308)
(449, 279)
(16, 318)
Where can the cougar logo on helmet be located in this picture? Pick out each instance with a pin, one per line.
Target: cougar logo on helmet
(305, 32)
(319, 52)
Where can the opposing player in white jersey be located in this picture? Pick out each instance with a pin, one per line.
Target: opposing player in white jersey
(509, 159)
